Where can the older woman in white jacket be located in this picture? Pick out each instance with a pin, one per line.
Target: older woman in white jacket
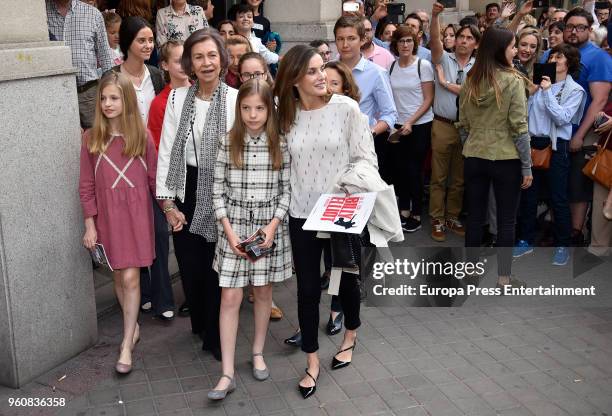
(196, 117)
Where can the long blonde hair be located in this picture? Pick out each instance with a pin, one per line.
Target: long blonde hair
(536, 54)
(236, 135)
(131, 124)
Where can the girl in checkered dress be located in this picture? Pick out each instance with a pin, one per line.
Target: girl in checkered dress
(251, 191)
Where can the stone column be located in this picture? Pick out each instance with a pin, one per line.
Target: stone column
(47, 300)
(299, 21)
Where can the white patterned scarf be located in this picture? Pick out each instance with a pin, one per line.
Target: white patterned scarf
(203, 222)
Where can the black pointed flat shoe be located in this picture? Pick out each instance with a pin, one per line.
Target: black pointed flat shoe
(295, 340)
(336, 363)
(334, 326)
(309, 391)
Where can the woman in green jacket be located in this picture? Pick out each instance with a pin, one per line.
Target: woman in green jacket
(493, 122)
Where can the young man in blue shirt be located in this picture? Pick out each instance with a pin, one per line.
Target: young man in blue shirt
(376, 96)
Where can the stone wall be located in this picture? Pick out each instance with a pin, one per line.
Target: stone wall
(46, 287)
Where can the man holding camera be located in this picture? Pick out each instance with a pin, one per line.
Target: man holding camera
(446, 160)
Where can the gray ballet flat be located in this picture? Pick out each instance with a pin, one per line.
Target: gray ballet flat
(260, 375)
(220, 394)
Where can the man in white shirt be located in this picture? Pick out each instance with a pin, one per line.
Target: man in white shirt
(244, 26)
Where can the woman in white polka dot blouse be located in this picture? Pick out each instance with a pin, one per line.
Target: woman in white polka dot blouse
(324, 133)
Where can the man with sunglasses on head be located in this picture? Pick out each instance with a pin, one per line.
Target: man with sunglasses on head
(595, 77)
(446, 184)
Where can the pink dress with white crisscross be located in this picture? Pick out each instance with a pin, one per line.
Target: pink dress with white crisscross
(117, 191)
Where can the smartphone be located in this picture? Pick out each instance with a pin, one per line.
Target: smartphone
(350, 7)
(395, 13)
(541, 70)
(600, 5)
(541, 3)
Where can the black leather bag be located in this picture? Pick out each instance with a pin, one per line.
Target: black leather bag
(345, 250)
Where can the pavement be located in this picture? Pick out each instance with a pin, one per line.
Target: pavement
(492, 359)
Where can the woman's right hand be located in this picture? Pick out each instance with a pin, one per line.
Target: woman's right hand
(90, 238)
(545, 83)
(176, 219)
(527, 180)
(233, 241)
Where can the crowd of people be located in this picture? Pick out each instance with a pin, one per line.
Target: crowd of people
(211, 134)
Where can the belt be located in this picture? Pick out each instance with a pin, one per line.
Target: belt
(88, 85)
(444, 120)
(252, 205)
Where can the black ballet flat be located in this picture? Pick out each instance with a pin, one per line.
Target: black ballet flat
(308, 391)
(295, 340)
(336, 363)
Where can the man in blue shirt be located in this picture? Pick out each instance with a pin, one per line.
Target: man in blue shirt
(414, 21)
(376, 96)
(595, 77)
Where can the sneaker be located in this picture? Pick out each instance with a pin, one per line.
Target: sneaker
(438, 232)
(521, 249)
(560, 256)
(403, 220)
(455, 226)
(411, 225)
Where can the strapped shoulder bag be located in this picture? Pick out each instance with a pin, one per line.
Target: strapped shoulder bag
(540, 158)
(599, 167)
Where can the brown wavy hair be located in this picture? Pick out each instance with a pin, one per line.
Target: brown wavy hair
(140, 8)
(132, 126)
(262, 89)
(403, 31)
(349, 86)
(292, 68)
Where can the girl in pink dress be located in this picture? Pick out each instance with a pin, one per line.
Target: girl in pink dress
(117, 182)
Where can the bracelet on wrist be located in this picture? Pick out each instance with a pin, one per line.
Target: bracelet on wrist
(168, 208)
